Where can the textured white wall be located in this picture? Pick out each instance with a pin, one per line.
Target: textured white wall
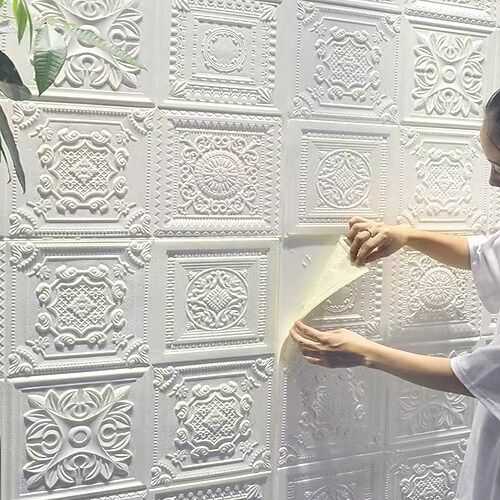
(173, 221)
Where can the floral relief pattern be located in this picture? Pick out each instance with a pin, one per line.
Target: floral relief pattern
(341, 492)
(233, 55)
(83, 171)
(214, 421)
(219, 175)
(84, 174)
(77, 437)
(344, 179)
(426, 410)
(448, 75)
(216, 299)
(348, 62)
(82, 306)
(116, 21)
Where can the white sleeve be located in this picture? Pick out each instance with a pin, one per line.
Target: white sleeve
(479, 371)
(484, 254)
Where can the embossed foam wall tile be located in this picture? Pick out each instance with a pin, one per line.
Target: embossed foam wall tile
(336, 171)
(242, 489)
(87, 171)
(213, 297)
(431, 301)
(430, 471)
(444, 184)
(76, 438)
(358, 478)
(221, 53)
(420, 414)
(219, 174)
(446, 74)
(90, 74)
(328, 413)
(347, 63)
(211, 420)
(480, 12)
(85, 305)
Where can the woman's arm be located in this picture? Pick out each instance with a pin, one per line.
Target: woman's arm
(429, 371)
(450, 249)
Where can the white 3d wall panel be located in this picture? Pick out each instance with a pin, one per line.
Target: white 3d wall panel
(174, 219)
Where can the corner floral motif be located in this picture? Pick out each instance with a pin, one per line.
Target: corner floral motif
(117, 22)
(448, 75)
(77, 437)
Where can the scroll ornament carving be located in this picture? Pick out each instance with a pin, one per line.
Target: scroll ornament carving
(77, 437)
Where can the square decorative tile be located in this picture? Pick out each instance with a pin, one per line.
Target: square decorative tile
(420, 414)
(430, 471)
(77, 438)
(447, 73)
(211, 419)
(444, 184)
(219, 174)
(222, 53)
(87, 171)
(91, 74)
(356, 478)
(431, 301)
(336, 171)
(480, 12)
(213, 296)
(77, 305)
(347, 63)
(328, 413)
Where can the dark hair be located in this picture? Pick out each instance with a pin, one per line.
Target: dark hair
(492, 111)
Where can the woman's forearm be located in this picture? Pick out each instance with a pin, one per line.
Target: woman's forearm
(430, 371)
(450, 249)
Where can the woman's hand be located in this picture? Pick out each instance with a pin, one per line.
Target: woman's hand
(332, 349)
(372, 240)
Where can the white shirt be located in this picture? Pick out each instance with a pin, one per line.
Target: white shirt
(479, 371)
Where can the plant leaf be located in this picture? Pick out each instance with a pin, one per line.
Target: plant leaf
(11, 84)
(49, 56)
(21, 15)
(10, 142)
(89, 37)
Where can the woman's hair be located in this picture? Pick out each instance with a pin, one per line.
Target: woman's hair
(492, 112)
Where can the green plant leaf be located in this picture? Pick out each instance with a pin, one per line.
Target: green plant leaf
(10, 142)
(89, 37)
(11, 85)
(21, 16)
(48, 57)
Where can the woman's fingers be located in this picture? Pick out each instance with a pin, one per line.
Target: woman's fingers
(308, 331)
(303, 341)
(356, 228)
(358, 240)
(369, 245)
(356, 219)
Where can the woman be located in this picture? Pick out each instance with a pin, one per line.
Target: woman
(475, 374)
